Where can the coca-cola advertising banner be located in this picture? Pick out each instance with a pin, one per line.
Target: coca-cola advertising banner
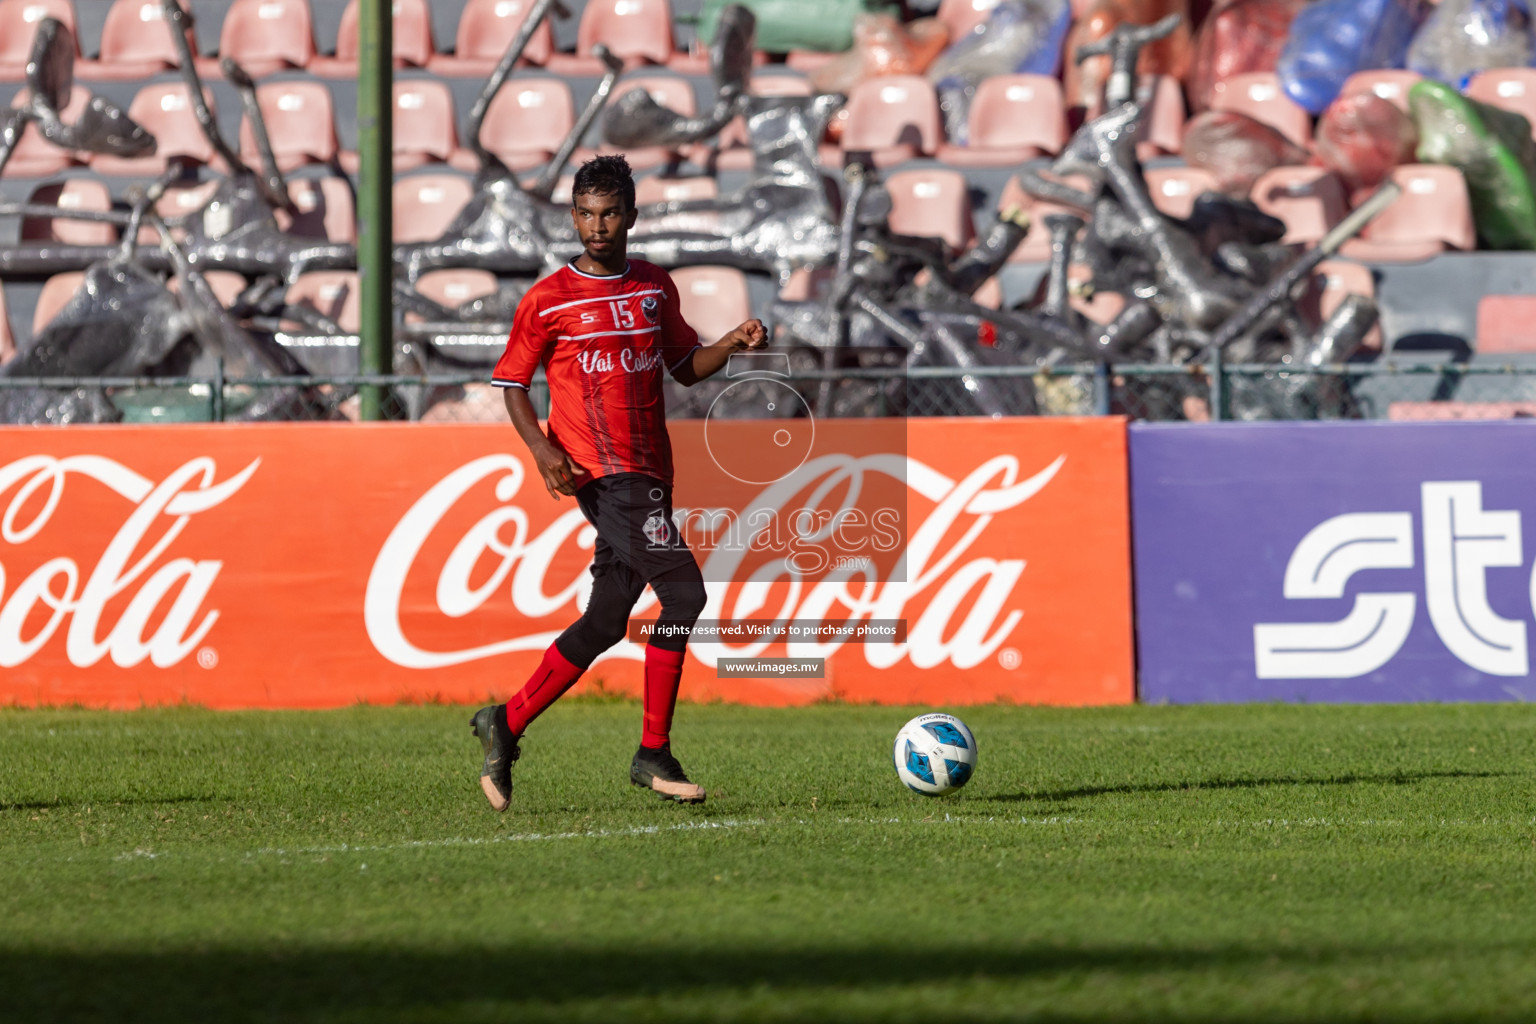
(1358, 562)
(321, 565)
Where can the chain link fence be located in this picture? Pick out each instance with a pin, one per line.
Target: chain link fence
(1386, 389)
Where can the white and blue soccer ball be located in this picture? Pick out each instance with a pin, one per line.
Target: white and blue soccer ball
(935, 754)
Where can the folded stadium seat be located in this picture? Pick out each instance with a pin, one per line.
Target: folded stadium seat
(1311, 200)
(71, 194)
(179, 201)
(668, 90)
(527, 121)
(1506, 323)
(657, 189)
(264, 36)
(410, 40)
(1013, 118)
(731, 149)
(326, 209)
(1432, 214)
(1331, 282)
(135, 44)
(36, 157)
(1507, 88)
(962, 16)
(486, 29)
(7, 336)
(332, 292)
(165, 111)
(453, 288)
(1175, 189)
(300, 124)
(1391, 84)
(714, 300)
(931, 203)
(18, 24)
(638, 32)
(894, 118)
(1258, 94)
(57, 291)
(807, 283)
(424, 130)
(1036, 246)
(425, 204)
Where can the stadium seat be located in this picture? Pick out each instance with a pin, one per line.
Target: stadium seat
(135, 44)
(527, 121)
(894, 118)
(657, 189)
(931, 203)
(1258, 94)
(56, 293)
(71, 194)
(714, 300)
(7, 336)
(1012, 118)
(638, 32)
(300, 124)
(453, 288)
(226, 285)
(1036, 246)
(1391, 84)
(425, 204)
(264, 36)
(990, 294)
(486, 29)
(1164, 119)
(1432, 214)
(1331, 282)
(331, 292)
(326, 209)
(1460, 410)
(165, 111)
(1506, 323)
(36, 157)
(18, 24)
(670, 91)
(1511, 89)
(1311, 200)
(410, 40)
(423, 129)
(962, 16)
(1175, 189)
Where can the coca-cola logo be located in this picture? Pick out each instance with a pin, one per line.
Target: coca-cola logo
(940, 578)
(169, 592)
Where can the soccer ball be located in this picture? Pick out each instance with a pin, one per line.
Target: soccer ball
(935, 754)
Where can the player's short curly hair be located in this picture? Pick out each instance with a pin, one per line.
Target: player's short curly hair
(605, 176)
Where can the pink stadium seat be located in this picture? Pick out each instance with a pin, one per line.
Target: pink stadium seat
(453, 288)
(226, 285)
(486, 29)
(962, 16)
(657, 189)
(668, 90)
(264, 36)
(7, 337)
(326, 209)
(425, 204)
(1012, 118)
(1311, 200)
(1331, 282)
(72, 194)
(714, 300)
(423, 129)
(1391, 84)
(1036, 246)
(1506, 323)
(1164, 126)
(165, 111)
(410, 40)
(18, 24)
(135, 44)
(179, 201)
(1258, 94)
(895, 118)
(1511, 89)
(56, 293)
(1460, 410)
(36, 157)
(990, 294)
(931, 203)
(638, 32)
(300, 124)
(1433, 214)
(527, 121)
(1175, 189)
(332, 292)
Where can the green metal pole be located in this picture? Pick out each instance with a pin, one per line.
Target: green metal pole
(375, 144)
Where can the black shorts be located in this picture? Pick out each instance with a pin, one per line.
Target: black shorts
(633, 516)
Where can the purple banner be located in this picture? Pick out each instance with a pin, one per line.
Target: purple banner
(1355, 562)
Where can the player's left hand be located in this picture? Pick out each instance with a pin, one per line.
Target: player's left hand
(749, 335)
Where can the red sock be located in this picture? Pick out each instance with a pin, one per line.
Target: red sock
(663, 671)
(553, 677)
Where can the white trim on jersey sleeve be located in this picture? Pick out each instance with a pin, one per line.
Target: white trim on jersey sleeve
(501, 382)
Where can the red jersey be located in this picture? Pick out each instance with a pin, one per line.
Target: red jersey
(603, 342)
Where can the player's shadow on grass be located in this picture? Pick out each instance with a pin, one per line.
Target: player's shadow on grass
(132, 801)
(1196, 785)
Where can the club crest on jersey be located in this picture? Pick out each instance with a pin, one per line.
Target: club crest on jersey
(657, 530)
(650, 307)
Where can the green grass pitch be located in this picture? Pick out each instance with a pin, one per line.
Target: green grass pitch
(1260, 863)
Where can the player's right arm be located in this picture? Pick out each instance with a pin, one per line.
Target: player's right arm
(526, 348)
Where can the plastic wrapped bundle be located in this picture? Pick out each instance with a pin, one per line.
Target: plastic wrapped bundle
(1239, 36)
(1463, 37)
(1170, 55)
(1493, 149)
(1018, 37)
(1332, 39)
(1361, 137)
(1236, 149)
(882, 45)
